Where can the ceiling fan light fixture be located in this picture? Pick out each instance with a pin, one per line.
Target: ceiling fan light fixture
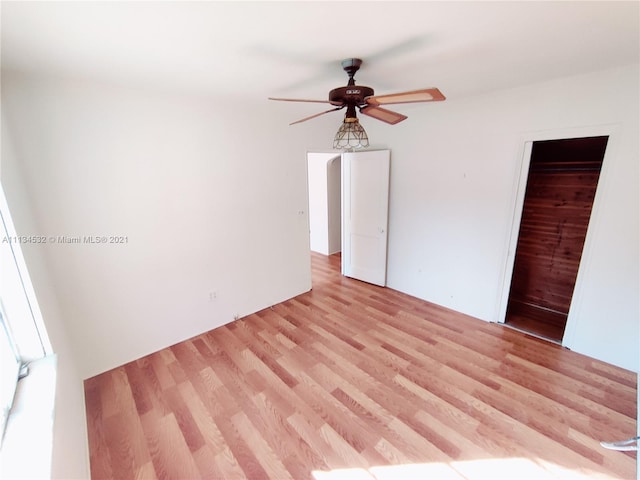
(350, 135)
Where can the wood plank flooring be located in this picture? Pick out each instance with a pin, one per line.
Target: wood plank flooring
(530, 324)
(352, 380)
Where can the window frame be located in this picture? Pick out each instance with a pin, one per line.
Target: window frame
(22, 328)
(11, 366)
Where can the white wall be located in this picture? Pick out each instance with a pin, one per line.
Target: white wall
(318, 202)
(209, 203)
(323, 170)
(334, 208)
(454, 174)
(70, 455)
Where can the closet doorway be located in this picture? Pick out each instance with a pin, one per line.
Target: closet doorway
(560, 191)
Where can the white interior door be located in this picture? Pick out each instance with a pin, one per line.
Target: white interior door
(365, 210)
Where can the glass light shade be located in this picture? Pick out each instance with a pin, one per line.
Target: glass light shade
(350, 135)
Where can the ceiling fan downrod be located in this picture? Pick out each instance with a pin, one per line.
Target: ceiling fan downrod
(351, 66)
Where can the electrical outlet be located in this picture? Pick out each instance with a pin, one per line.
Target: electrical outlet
(236, 316)
(213, 295)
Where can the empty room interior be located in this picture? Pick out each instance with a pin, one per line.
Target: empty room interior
(320, 240)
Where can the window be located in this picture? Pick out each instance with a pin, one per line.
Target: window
(21, 339)
(10, 364)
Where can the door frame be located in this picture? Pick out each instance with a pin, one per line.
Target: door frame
(525, 145)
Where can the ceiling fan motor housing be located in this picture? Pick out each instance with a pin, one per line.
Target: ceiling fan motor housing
(350, 95)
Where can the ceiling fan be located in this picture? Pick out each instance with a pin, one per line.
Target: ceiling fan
(355, 96)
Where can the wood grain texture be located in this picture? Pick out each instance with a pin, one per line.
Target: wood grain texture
(353, 380)
(561, 188)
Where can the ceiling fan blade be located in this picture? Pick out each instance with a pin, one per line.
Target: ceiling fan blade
(316, 115)
(424, 95)
(298, 100)
(383, 114)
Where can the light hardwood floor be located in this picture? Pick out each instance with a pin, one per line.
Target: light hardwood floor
(352, 380)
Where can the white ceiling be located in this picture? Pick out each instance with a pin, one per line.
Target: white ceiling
(252, 50)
